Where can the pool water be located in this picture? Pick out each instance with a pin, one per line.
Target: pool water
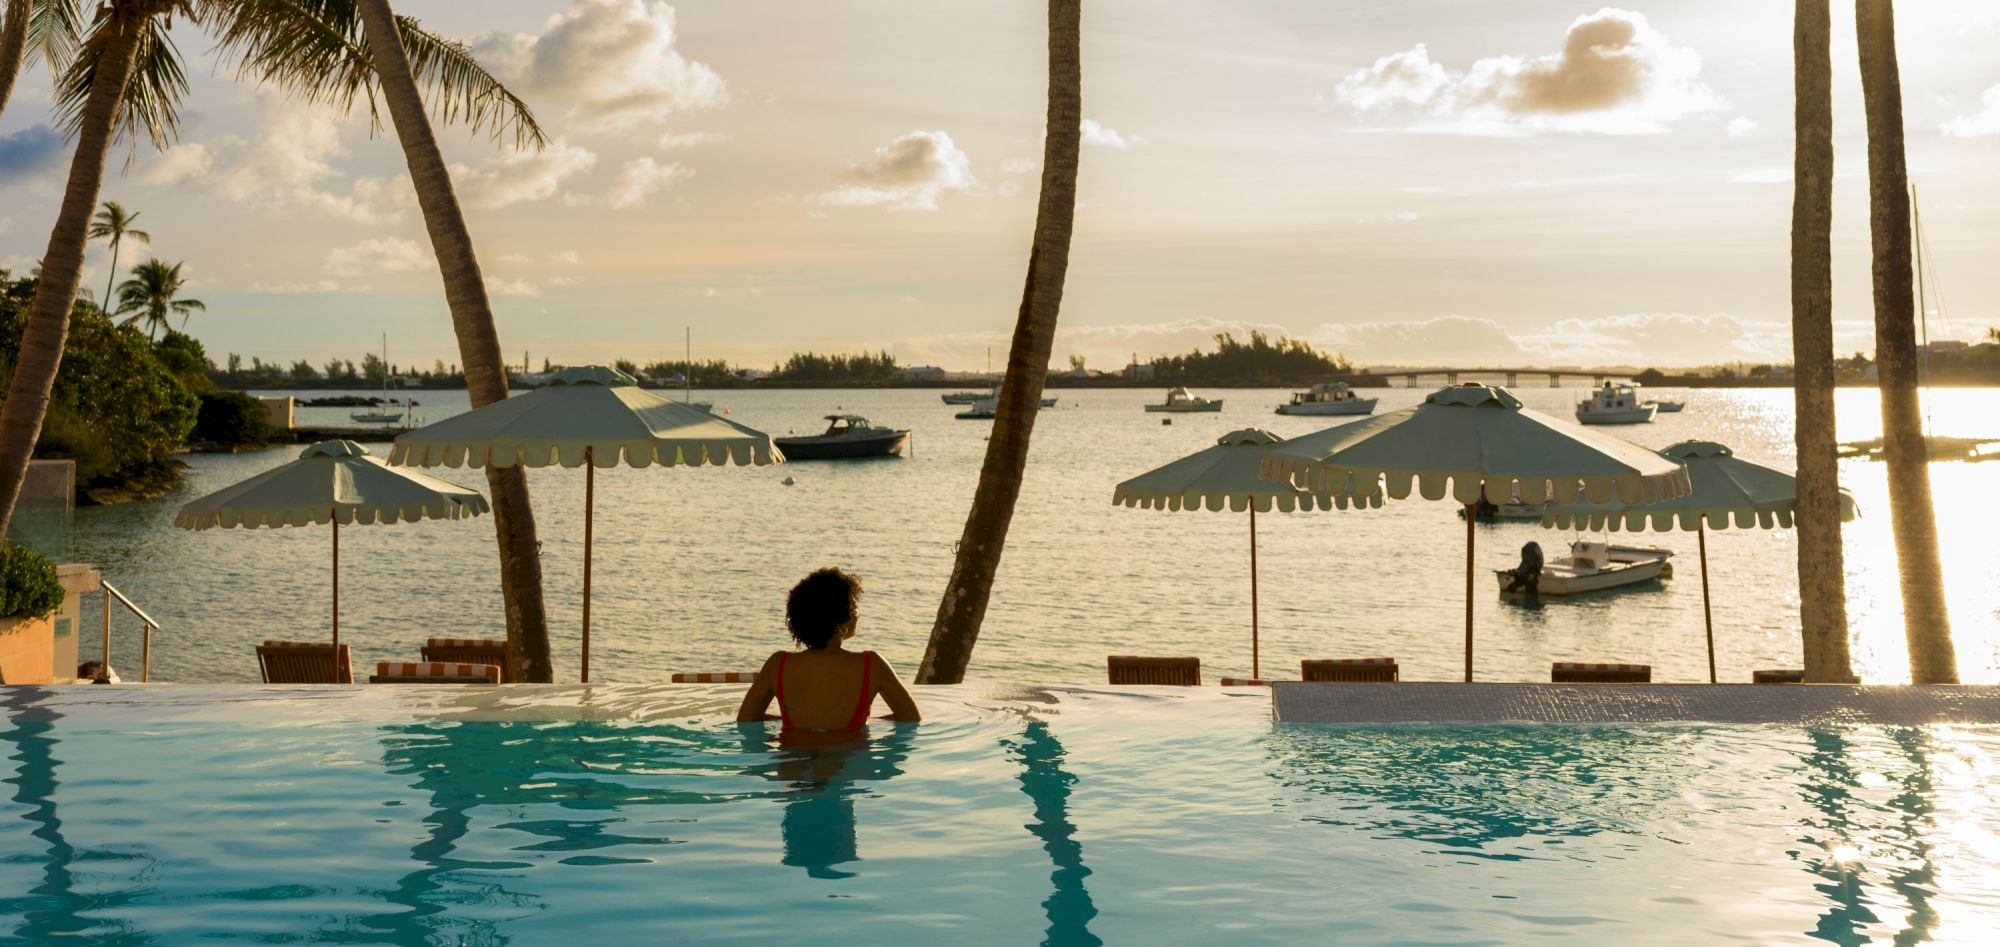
(1016, 816)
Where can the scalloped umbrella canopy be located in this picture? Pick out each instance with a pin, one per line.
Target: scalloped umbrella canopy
(1225, 476)
(590, 416)
(1727, 489)
(1468, 439)
(336, 482)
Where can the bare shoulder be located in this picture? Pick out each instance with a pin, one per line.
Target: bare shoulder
(881, 663)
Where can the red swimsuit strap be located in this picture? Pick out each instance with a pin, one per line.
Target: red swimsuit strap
(867, 699)
(778, 687)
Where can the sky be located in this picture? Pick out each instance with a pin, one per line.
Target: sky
(1443, 182)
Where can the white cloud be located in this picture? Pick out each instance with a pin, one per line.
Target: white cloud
(309, 286)
(283, 170)
(562, 281)
(515, 258)
(906, 174)
(183, 162)
(378, 255)
(1637, 339)
(1096, 134)
(1614, 74)
(675, 141)
(1020, 165)
(1986, 121)
(1740, 127)
(568, 256)
(512, 287)
(638, 180)
(522, 176)
(615, 61)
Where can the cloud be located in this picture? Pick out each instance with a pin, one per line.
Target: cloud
(1986, 121)
(906, 174)
(1104, 346)
(615, 61)
(1096, 134)
(1640, 339)
(522, 176)
(638, 180)
(309, 286)
(282, 171)
(29, 151)
(568, 256)
(378, 255)
(512, 287)
(1614, 74)
(1449, 339)
(675, 141)
(1020, 165)
(1740, 127)
(184, 162)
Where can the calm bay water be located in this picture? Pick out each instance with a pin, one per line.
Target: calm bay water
(692, 565)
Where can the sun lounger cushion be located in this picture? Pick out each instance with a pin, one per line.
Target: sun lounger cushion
(1582, 672)
(714, 677)
(433, 672)
(1351, 669)
(1244, 682)
(467, 651)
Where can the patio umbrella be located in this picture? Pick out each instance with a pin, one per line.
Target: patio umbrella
(1225, 476)
(1726, 488)
(332, 482)
(1471, 440)
(590, 416)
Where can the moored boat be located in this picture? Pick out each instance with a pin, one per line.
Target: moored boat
(847, 436)
(1670, 407)
(965, 397)
(1593, 567)
(1179, 402)
(1327, 399)
(1615, 404)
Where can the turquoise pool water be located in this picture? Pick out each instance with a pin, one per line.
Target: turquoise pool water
(1017, 816)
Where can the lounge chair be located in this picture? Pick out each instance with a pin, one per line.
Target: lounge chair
(1137, 669)
(304, 662)
(1578, 672)
(491, 651)
(1243, 682)
(1351, 669)
(433, 672)
(1779, 676)
(714, 677)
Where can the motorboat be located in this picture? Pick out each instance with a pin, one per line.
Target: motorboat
(847, 436)
(1670, 407)
(1616, 404)
(1325, 399)
(1593, 567)
(1180, 402)
(966, 397)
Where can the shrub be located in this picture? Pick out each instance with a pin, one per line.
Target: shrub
(28, 584)
(230, 419)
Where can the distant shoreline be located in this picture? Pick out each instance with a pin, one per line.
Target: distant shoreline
(1370, 381)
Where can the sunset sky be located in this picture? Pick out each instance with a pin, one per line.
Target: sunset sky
(1406, 181)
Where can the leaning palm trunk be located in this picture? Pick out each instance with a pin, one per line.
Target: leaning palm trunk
(13, 46)
(62, 265)
(1904, 451)
(1822, 574)
(964, 605)
(478, 341)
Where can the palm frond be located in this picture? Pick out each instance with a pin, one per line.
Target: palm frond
(152, 95)
(55, 27)
(315, 50)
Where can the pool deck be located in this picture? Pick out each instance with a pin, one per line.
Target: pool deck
(1785, 704)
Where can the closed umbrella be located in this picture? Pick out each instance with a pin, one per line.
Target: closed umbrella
(1473, 440)
(1225, 476)
(332, 482)
(592, 417)
(1726, 488)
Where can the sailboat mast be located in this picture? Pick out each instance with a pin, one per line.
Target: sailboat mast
(687, 367)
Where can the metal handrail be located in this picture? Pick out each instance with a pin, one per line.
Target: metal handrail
(146, 640)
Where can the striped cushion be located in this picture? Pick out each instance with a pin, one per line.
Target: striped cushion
(495, 643)
(714, 677)
(435, 670)
(1245, 682)
(1587, 666)
(274, 643)
(1354, 660)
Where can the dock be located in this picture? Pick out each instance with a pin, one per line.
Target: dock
(364, 433)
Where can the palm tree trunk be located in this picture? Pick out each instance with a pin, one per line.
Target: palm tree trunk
(1822, 572)
(1925, 622)
(62, 265)
(105, 304)
(478, 342)
(963, 607)
(13, 46)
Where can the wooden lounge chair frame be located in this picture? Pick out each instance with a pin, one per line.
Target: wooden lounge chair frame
(304, 662)
(1174, 671)
(1365, 670)
(491, 651)
(433, 672)
(1574, 672)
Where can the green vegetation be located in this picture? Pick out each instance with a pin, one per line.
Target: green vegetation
(877, 369)
(1257, 362)
(113, 225)
(230, 419)
(153, 296)
(28, 584)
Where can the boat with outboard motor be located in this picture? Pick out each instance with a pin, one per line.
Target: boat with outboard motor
(1591, 566)
(847, 436)
(1180, 402)
(1328, 399)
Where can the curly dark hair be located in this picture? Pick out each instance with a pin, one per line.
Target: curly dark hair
(820, 605)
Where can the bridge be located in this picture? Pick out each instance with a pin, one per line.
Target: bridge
(1511, 376)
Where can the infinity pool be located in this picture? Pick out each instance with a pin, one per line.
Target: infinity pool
(1061, 816)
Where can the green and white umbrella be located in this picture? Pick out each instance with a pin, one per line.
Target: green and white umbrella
(588, 417)
(332, 482)
(1470, 441)
(1727, 489)
(1225, 477)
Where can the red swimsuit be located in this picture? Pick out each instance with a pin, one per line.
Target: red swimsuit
(855, 723)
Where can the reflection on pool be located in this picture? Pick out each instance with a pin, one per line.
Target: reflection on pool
(1029, 816)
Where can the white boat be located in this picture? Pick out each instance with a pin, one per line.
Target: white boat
(1616, 404)
(981, 410)
(965, 397)
(1324, 399)
(1596, 566)
(1180, 402)
(1670, 407)
(376, 415)
(988, 400)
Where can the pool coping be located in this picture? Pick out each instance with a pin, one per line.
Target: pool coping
(1496, 703)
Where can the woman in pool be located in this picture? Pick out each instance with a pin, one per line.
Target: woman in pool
(824, 692)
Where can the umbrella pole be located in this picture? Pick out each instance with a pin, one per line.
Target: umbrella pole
(1707, 619)
(1253, 591)
(336, 585)
(589, 506)
(1471, 517)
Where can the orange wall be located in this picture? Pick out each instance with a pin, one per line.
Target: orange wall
(27, 651)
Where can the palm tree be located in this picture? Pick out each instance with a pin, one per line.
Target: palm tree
(1926, 623)
(1822, 574)
(113, 224)
(152, 296)
(963, 607)
(46, 26)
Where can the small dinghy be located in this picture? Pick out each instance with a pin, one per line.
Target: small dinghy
(1590, 567)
